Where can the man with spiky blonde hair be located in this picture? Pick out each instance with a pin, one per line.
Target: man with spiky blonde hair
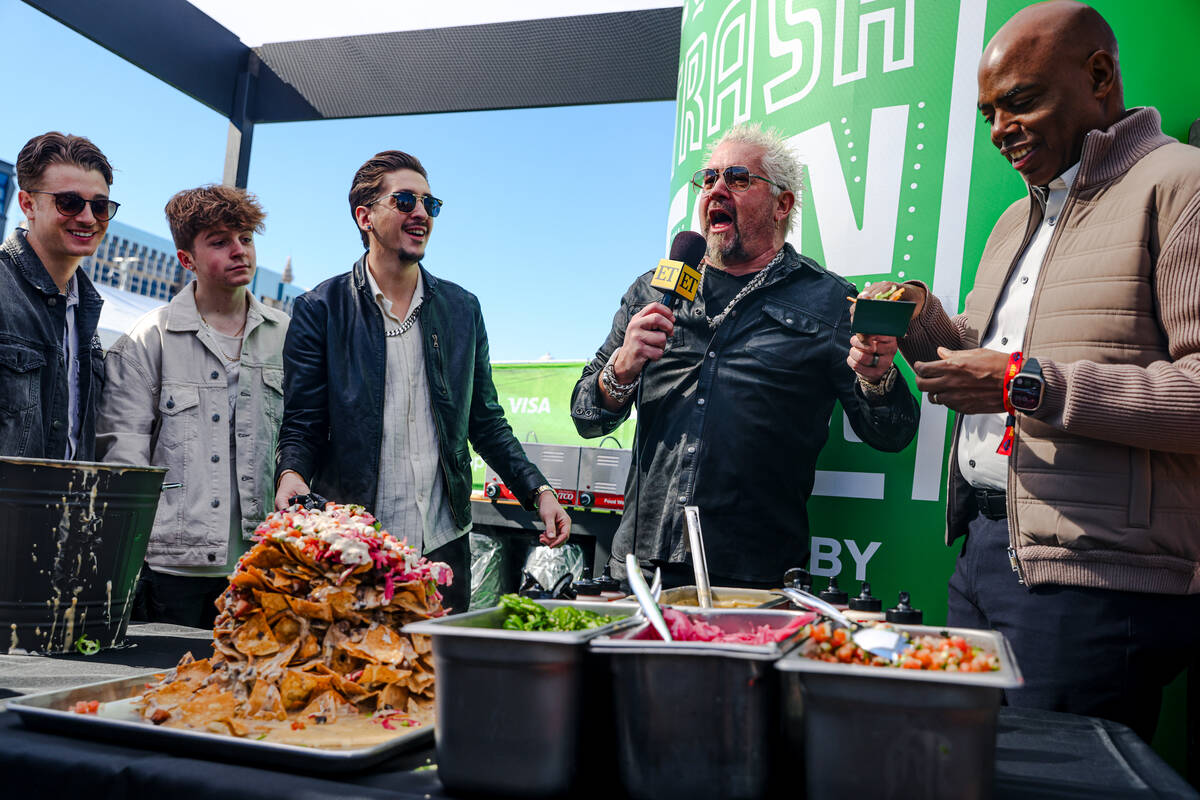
(735, 389)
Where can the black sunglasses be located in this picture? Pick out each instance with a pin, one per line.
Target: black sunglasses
(70, 204)
(406, 201)
(736, 178)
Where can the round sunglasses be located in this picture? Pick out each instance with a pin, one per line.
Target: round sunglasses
(406, 201)
(70, 204)
(736, 178)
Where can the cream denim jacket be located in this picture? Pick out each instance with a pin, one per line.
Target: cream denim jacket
(166, 403)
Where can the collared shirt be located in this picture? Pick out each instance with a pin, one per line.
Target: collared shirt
(410, 500)
(71, 352)
(978, 460)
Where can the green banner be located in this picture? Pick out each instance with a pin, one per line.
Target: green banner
(536, 398)
(877, 97)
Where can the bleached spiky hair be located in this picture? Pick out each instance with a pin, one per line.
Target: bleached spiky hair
(778, 161)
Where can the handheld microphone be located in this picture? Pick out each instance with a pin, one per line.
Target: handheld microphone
(677, 276)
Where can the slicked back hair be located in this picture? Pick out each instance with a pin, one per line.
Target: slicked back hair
(58, 148)
(368, 181)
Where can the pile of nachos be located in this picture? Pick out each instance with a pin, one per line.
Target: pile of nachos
(307, 644)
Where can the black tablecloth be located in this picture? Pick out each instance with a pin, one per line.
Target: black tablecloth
(1039, 754)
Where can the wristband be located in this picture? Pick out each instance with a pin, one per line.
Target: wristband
(1010, 372)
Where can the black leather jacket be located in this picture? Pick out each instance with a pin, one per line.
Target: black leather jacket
(733, 420)
(33, 369)
(335, 363)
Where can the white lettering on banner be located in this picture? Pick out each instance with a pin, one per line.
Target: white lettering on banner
(691, 104)
(851, 249)
(722, 68)
(861, 558)
(885, 17)
(825, 561)
(794, 47)
(863, 485)
(822, 552)
(732, 71)
(529, 405)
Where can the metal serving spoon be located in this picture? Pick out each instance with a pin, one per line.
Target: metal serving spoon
(877, 641)
(646, 599)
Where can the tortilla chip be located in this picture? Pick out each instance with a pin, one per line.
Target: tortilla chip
(210, 704)
(382, 644)
(265, 701)
(254, 637)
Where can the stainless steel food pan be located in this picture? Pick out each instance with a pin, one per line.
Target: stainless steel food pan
(693, 719)
(926, 733)
(744, 598)
(512, 705)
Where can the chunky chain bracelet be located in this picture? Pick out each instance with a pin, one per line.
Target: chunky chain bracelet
(617, 391)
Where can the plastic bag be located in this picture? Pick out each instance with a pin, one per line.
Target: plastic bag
(548, 564)
(487, 563)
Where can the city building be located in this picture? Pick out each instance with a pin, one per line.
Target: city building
(8, 188)
(275, 288)
(138, 262)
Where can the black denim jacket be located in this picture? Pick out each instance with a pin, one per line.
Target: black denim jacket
(33, 366)
(335, 363)
(733, 420)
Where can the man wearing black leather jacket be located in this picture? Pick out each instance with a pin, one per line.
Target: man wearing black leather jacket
(737, 386)
(386, 379)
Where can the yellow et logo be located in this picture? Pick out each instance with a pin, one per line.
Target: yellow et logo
(677, 277)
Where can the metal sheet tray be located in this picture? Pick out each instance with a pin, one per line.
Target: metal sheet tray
(118, 722)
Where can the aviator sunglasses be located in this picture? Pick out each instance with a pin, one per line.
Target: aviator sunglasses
(406, 201)
(736, 178)
(70, 204)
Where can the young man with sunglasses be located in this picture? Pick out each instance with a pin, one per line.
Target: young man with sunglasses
(51, 361)
(197, 387)
(735, 389)
(388, 378)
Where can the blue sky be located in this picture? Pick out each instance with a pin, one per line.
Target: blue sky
(549, 215)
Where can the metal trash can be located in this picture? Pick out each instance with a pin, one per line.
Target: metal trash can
(73, 535)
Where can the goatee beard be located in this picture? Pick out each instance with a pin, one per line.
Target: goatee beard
(718, 255)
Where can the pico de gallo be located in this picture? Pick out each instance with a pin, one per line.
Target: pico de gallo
(831, 643)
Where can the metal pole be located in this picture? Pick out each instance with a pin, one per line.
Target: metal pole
(8, 187)
(241, 125)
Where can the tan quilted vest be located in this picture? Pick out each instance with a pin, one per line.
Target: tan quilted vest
(1083, 511)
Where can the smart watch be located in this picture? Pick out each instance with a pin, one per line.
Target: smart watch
(1027, 387)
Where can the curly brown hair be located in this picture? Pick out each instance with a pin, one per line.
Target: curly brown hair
(369, 180)
(193, 211)
(58, 148)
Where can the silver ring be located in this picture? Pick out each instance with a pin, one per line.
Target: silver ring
(875, 360)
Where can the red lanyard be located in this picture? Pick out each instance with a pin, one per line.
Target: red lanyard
(1014, 367)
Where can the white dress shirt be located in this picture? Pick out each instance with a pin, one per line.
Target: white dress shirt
(410, 499)
(981, 434)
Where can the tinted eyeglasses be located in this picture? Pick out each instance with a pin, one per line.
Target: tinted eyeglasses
(736, 178)
(406, 201)
(70, 204)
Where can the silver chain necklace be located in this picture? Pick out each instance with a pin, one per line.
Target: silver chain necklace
(408, 323)
(758, 280)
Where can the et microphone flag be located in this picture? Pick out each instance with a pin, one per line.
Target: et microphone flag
(677, 276)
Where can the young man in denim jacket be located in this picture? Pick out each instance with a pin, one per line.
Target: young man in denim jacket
(197, 387)
(50, 357)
